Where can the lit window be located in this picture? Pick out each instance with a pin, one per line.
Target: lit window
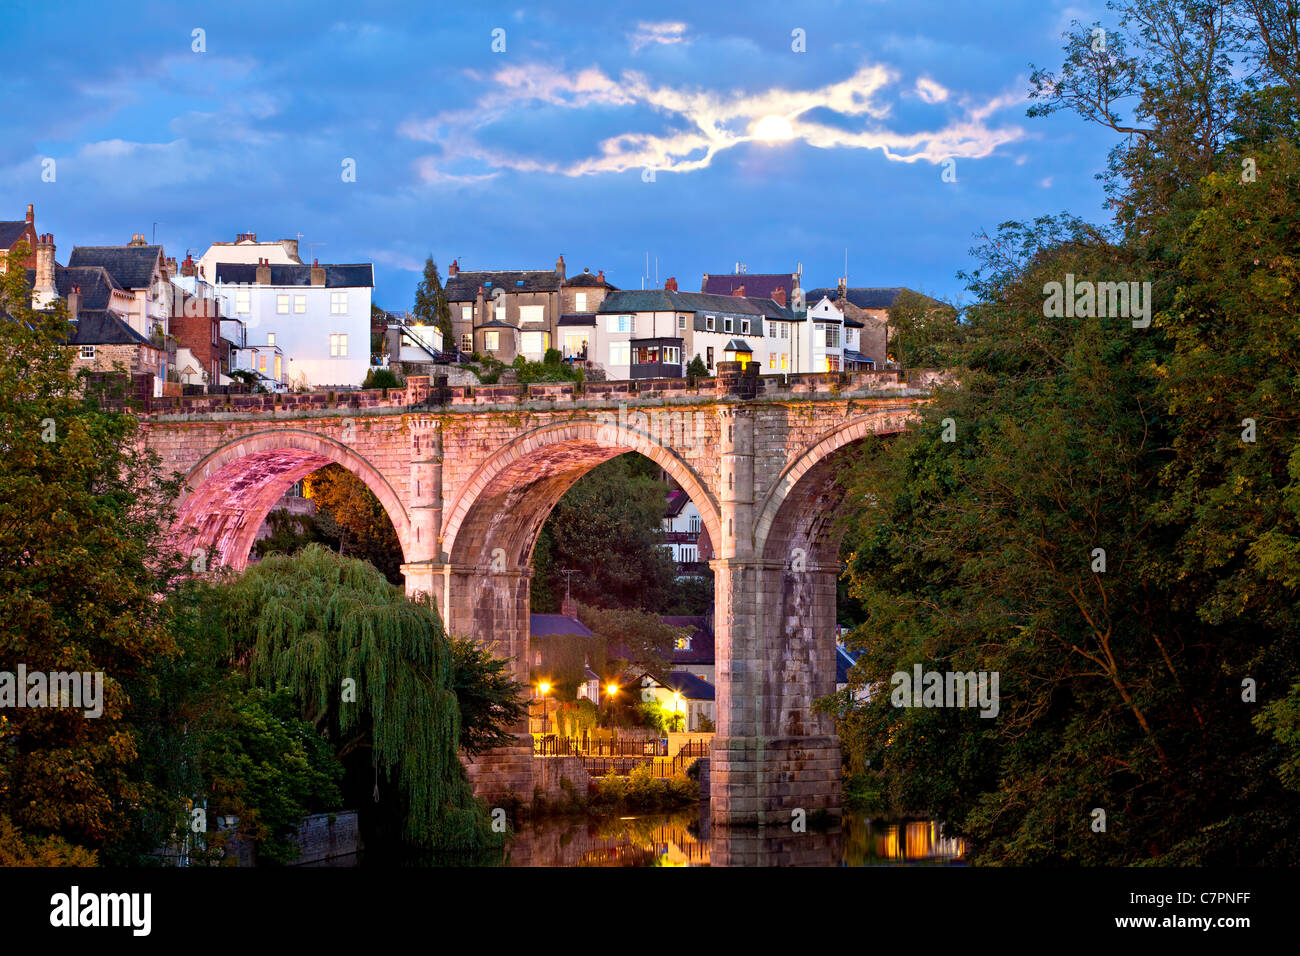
(771, 360)
(467, 313)
(87, 352)
(338, 345)
(261, 363)
(300, 305)
(282, 303)
(575, 344)
(534, 343)
(620, 353)
(783, 362)
(580, 302)
(270, 338)
(338, 303)
(832, 363)
(243, 301)
(492, 340)
(672, 355)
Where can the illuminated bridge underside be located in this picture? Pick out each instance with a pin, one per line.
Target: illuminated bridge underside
(469, 482)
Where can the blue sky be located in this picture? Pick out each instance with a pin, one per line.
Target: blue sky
(604, 131)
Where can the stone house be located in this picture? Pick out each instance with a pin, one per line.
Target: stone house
(140, 269)
(12, 232)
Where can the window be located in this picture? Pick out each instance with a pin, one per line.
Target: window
(620, 353)
(783, 360)
(282, 303)
(270, 338)
(261, 363)
(575, 344)
(87, 352)
(277, 368)
(338, 303)
(693, 525)
(621, 323)
(832, 363)
(672, 355)
(832, 335)
(681, 323)
(708, 323)
(338, 345)
(689, 556)
(531, 313)
(785, 331)
(727, 323)
(243, 301)
(299, 305)
(771, 360)
(744, 326)
(708, 357)
(580, 302)
(684, 643)
(466, 342)
(492, 340)
(534, 343)
(771, 330)
(467, 313)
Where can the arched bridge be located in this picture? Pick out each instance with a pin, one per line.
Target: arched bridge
(468, 475)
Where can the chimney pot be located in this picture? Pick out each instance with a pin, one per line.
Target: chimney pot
(778, 295)
(600, 276)
(31, 213)
(453, 268)
(670, 284)
(738, 290)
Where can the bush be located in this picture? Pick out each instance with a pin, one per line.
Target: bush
(382, 378)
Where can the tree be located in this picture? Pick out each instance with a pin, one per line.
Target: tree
(633, 638)
(83, 512)
(608, 529)
(696, 370)
(348, 511)
(431, 306)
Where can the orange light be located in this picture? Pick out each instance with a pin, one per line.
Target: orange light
(544, 688)
(611, 689)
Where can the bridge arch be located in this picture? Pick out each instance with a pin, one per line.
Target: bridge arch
(799, 509)
(229, 493)
(504, 504)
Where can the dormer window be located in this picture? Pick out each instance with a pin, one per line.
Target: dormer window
(708, 323)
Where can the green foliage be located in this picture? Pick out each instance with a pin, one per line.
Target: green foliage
(552, 368)
(632, 637)
(382, 378)
(696, 370)
(22, 849)
(348, 512)
(641, 790)
(431, 305)
(489, 697)
(312, 622)
(924, 333)
(609, 529)
(83, 511)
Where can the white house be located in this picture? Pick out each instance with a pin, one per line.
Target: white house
(313, 320)
(682, 530)
(247, 250)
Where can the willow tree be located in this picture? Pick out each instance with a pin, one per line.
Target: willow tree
(370, 668)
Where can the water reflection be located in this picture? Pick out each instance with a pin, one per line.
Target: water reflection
(686, 839)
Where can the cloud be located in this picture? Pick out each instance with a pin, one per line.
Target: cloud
(398, 260)
(678, 129)
(930, 91)
(665, 33)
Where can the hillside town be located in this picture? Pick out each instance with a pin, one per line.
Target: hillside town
(252, 314)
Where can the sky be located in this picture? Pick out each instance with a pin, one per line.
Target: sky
(505, 135)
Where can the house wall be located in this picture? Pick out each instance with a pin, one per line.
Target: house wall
(136, 359)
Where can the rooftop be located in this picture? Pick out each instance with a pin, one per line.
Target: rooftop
(132, 266)
(352, 276)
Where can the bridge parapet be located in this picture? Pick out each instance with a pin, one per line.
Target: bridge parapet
(421, 393)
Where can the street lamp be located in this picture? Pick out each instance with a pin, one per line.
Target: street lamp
(543, 689)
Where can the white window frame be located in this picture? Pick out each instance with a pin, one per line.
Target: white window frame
(709, 323)
(88, 352)
(300, 305)
(243, 301)
(338, 345)
(492, 340)
(620, 353)
(467, 341)
(681, 323)
(580, 302)
(338, 303)
(270, 338)
(282, 303)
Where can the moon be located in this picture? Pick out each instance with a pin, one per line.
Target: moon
(773, 129)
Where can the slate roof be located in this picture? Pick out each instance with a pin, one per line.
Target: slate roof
(496, 324)
(131, 266)
(852, 355)
(463, 286)
(689, 686)
(737, 345)
(677, 500)
(104, 327)
(11, 232)
(862, 296)
(577, 318)
(96, 284)
(355, 276)
(666, 300)
(702, 648)
(585, 280)
(758, 285)
(544, 625)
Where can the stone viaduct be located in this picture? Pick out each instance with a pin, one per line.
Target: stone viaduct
(468, 475)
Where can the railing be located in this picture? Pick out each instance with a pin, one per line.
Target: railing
(622, 766)
(554, 745)
(693, 750)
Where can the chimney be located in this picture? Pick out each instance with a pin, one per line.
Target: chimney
(290, 247)
(559, 267)
(171, 266)
(74, 302)
(778, 295)
(43, 290)
(569, 607)
(600, 276)
(242, 236)
(31, 214)
(203, 272)
(843, 287)
(453, 268)
(317, 273)
(670, 284)
(263, 274)
(738, 291)
(187, 267)
(137, 239)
